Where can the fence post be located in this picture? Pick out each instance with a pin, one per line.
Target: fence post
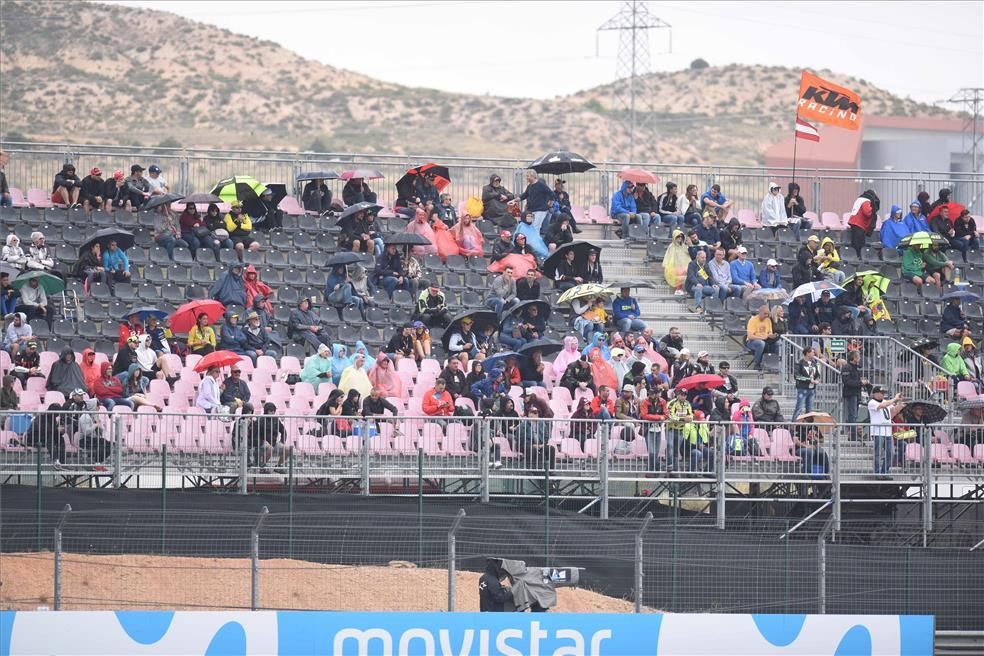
(243, 462)
(484, 450)
(603, 463)
(37, 496)
(254, 555)
(290, 503)
(927, 510)
(118, 452)
(420, 506)
(163, 495)
(58, 557)
(638, 561)
(364, 453)
(721, 495)
(546, 510)
(822, 565)
(835, 482)
(184, 180)
(452, 557)
(817, 190)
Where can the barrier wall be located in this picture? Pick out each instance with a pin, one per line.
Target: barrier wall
(139, 633)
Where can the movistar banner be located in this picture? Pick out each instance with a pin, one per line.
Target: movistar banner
(267, 633)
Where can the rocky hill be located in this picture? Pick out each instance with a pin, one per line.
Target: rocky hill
(117, 75)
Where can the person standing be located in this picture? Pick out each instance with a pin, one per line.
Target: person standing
(679, 413)
(864, 216)
(852, 383)
(538, 197)
(493, 588)
(881, 411)
(807, 376)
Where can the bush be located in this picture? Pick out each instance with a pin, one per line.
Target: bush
(698, 64)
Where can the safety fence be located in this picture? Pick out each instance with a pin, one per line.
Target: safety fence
(885, 361)
(191, 170)
(118, 559)
(711, 464)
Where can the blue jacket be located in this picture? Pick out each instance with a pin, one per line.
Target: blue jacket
(707, 195)
(334, 279)
(952, 318)
(623, 307)
(538, 196)
(742, 274)
(893, 231)
(768, 280)
(708, 235)
(623, 202)
(598, 342)
(489, 387)
(916, 223)
(694, 278)
(232, 338)
(115, 260)
(8, 305)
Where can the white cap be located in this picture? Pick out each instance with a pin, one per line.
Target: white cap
(771, 262)
(742, 249)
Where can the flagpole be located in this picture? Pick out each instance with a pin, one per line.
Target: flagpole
(795, 144)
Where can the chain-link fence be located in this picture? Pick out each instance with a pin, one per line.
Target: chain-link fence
(362, 560)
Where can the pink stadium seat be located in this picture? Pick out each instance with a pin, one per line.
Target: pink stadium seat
(591, 447)
(407, 366)
(38, 198)
(290, 206)
(845, 217)
(961, 454)
(748, 219)
(17, 198)
(579, 394)
(290, 365)
(966, 390)
(54, 396)
(577, 211)
(942, 437)
(430, 366)
(465, 402)
(430, 445)
(941, 454)
(782, 446)
(334, 446)
(812, 218)
(598, 214)
(561, 394)
(570, 448)
(35, 385)
(831, 221)
(913, 453)
(266, 363)
(505, 449)
(47, 359)
(304, 390)
(560, 409)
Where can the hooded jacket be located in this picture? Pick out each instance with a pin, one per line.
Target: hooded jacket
(65, 375)
(232, 338)
(229, 289)
(623, 202)
(915, 222)
(314, 367)
(90, 372)
(953, 362)
(256, 287)
(493, 207)
(107, 387)
(864, 213)
(893, 230)
(953, 318)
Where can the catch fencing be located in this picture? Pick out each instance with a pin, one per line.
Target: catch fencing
(116, 559)
(591, 462)
(196, 170)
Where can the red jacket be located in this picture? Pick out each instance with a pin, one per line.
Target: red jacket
(126, 330)
(107, 388)
(596, 405)
(863, 217)
(653, 409)
(430, 404)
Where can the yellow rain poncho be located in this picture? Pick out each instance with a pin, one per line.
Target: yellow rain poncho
(675, 261)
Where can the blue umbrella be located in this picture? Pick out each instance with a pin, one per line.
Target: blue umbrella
(498, 361)
(963, 295)
(144, 312)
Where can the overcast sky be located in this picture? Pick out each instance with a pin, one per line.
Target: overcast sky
(926, 50)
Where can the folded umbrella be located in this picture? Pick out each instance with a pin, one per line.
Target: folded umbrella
(51, 284)
(238, 187)
(161, 199)
(344, 258)
(585, 291)
(480, 319)
(769, 294)
(358, 207)
(123, 239)
(144, 312)
(327, 174)
(185, 316)
(561, 161)
(710, 381)
(361, 174)
(580, 249)
(816, 418)
(546, 347)
(638, 176)
(631, 284)
(218, 359)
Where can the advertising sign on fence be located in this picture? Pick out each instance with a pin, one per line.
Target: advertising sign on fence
(288, 633)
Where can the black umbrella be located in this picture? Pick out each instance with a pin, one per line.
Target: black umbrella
(932, 413)
(162, 199)
(632, 284)
(318, 175)
(346, 217)
(542, 306)
(480, 319)
(202, 197)
(122, 238)
(561, 161)
(344, 258)
(580, 249)
(406, 239)
(546, 347)
(256, 207)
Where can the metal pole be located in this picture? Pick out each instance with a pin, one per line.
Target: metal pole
(822, 565)
(364, 448)
(603, 463)
(243, 462)
(255, 559)
(118, 453)
(721, 496)
(452, 557)
(420, 506)
(484, 451)
(163, 495)
(638, 561)
(58, 556)
(835, 483)
(927, 509)
(805, 520)
(546, 511)
(977, 546)
(37, 500)
(290, 503)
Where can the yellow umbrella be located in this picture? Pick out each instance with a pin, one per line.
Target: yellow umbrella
(587, 290)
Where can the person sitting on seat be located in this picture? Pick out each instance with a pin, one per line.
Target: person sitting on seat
(954, 322)
(567, 275)
(316, 196)
(116, 263)
(437, 402)
(623, 207)
(240, 229)
(91, 190)
(27, 363)
(717, 202)
(432, 308)
(34, 302)
(109, 390)
(464, 343)
(201, 337)
(67, 187)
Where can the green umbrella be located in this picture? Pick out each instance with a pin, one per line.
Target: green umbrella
(238, 187)
(870, 277)
(923, 239)
(49, 283)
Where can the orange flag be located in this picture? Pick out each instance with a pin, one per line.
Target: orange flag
(820, 100)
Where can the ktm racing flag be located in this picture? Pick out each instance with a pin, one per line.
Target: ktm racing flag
(820, 100)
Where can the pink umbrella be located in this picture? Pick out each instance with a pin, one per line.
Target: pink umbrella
(638, 176)
(365, 174)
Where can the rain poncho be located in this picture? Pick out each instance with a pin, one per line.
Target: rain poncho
(444, 241)
(91, 371)
(255, 287)
(339, 361)
(385, 379)
(953, 362)
(421, 227)
(520, 265)
(65, 375)
(894, 229)
(598, 342)
(565, 357)
(355, 377)
(533, 239)
(313, 368)
(363, 350)
(468, 237)
(676, 261)
(229, 289)
(915, 222)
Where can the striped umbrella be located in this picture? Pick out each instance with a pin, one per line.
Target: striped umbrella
(238, 187)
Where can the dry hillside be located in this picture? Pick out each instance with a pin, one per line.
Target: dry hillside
(145, 77)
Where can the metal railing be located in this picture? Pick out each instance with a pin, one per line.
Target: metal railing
(33, 165)
(369, 560)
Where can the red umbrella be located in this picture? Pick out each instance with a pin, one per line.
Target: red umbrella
(638, 175)
(218, 359)
(442, 177)
(365, 174)
(955, 210)
(185, 316)
(710, 381)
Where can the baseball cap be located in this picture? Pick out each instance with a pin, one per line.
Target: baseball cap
(628, 388)
(117, 174)
(78, 391)
(771, 262)
(235, 205)
(154, 168)
(877, 388)
(467, 320)
(617, 352)
(267, 192)
(702, 354)
(742, 249)
(679, 390)
(684, 351)
(132, 338)
(95, 171)
(32, 344)
(252, 315)
(812, 238)
(767, 391)
(505, 234)
(135, 168)
(417, 324)
(724, 364)
(639, 348)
